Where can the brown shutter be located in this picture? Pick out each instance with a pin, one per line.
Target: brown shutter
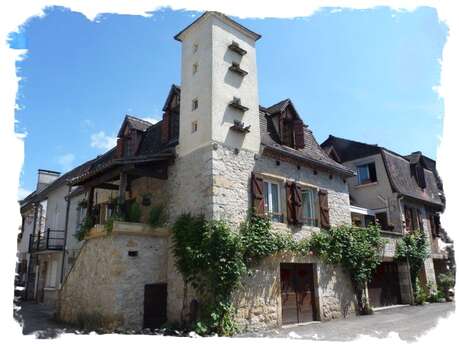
(298, 203)
(290, 203)
(258, 201)
(420, 223)
(324, 210)
(408, 218)
(299, 134)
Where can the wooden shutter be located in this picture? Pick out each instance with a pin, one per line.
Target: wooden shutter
(258, 202)
(420, 176)
(408, 218)
(298, 203)
(324, 210)
(419, 216)
(290, 203)
(294, 203)
(299, 134)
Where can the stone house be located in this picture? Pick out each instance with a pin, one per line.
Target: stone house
(216, 152)
(401, 193)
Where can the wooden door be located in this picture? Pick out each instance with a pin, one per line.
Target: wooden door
(384, 288)
(155, 305)
(297, 292)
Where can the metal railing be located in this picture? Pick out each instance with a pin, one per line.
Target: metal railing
(48, 240)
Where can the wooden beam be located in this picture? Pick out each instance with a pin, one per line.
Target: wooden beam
(106, 177)
(122, 188)
(109, 186)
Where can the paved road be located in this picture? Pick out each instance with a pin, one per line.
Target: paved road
(409, 321)
(38, 318)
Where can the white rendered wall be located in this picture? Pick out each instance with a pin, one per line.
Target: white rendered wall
(215, 86)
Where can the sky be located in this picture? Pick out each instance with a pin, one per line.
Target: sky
(365, 75)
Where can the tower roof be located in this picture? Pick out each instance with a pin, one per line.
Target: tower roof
(222, 17)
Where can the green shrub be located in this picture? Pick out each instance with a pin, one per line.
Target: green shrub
(157, 216)
(420, 293)
(446, 281)
(85, 226)
(134, 212)
(414, 249)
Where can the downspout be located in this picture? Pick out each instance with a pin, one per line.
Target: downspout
(64, 249)
(29, 266)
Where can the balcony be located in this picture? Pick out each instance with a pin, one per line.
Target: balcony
(49, 240)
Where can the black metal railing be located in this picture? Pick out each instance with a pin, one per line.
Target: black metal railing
(48, 240)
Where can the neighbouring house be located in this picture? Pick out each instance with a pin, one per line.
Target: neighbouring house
(402, 193)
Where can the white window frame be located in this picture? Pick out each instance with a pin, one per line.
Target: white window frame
(269, 205)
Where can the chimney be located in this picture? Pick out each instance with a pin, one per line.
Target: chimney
(46, 177)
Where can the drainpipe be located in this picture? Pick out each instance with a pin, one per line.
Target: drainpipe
(64, 249)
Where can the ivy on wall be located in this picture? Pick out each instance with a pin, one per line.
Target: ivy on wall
(212, 259)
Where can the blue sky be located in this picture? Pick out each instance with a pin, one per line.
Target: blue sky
(366, 75)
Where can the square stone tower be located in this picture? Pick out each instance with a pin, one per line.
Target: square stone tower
(219, 87)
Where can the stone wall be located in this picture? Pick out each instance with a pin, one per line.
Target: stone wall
(107, 285)
(231, 174)
(259, 304)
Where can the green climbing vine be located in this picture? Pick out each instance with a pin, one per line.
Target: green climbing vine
(414, 249)
(357, 250)
(212, 259)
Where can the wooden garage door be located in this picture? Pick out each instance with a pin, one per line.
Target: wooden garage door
(297, 293)
(384, 288)
(155, 305)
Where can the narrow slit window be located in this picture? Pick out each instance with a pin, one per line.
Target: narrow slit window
(194, 104)
(195, 68)
(194, 126)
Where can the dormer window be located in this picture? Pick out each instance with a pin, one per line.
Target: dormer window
(417, 170)
(366, 173)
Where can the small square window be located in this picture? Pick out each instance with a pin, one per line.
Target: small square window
(366, 173)
(194, 126)
(194, 104)
(195, 47)
(195, 68)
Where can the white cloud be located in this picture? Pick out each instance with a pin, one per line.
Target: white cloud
(101, 140)
(66, 161)
(22, 193)
(152, 120)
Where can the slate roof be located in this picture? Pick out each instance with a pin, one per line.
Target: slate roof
(134, 122)
(402, 181)
(397, 166)
(311, 153)
(37, 196)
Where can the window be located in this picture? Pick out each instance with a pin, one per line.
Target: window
(195, 47)
(195, 68)
(413, 219)
(366, 173)
(194, 126)
(272, 200)
(287, 133)
(194, 104)
(381, 219)
(308, 197)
